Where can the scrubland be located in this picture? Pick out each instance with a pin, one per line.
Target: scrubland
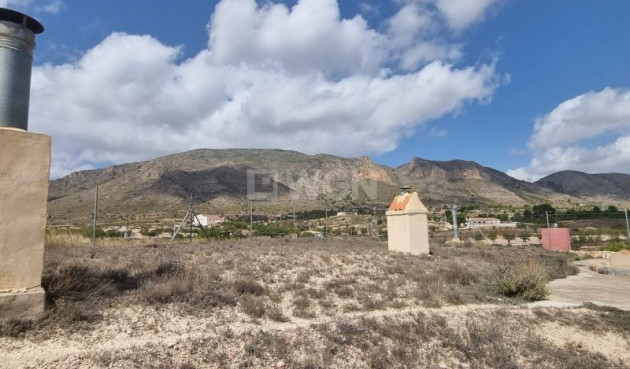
(308, 304)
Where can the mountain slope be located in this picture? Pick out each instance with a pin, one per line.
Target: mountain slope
(466, 181)
(218, 181)
(580, 184)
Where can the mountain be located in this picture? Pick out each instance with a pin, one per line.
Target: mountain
(466, 181)
(578, 184)
(220, 181)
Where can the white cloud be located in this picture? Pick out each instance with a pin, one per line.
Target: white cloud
(459, 14)
(309, 36)
(272, 77)
(564, 138)
(45, 6)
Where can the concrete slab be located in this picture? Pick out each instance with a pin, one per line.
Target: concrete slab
(589, 286)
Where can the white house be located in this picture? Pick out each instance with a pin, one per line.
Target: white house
(488, 223)
(347, 213)
(207, 220)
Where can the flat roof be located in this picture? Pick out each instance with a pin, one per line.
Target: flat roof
(21, 18)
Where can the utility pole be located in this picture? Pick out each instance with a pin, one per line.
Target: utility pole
(455, 232)
(251, 219)
(350, 226)
(127, 227)
(627, 225)
(191, 219)
(326, 224)
(294, 228)
(547, 214)
(95, 220)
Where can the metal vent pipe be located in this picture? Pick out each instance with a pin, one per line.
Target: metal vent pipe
(17, 43)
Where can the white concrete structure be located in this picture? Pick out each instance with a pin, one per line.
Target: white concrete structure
(407, 225)
(488, 223)
(347, 213)
(207, 220)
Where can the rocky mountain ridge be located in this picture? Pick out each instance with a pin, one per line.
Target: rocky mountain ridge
(225, 181)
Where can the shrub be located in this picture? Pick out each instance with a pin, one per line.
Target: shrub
(249, 287)
(527, 281)
(14, 327)
(274, 312)
(252, 305)
(616, 247)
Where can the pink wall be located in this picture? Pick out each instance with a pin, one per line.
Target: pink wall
(557, 239)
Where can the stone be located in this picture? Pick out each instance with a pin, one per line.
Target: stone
(24, 175)
(408, 225)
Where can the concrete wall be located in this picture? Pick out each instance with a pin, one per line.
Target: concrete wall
(557, 239)
(24, 175)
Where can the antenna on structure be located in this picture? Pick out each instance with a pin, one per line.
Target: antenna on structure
(193, 217)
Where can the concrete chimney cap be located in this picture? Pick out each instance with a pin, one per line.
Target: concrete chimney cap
(13, 16)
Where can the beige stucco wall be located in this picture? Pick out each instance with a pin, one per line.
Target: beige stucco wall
(24, 174)
(408, 227)
(408, 232)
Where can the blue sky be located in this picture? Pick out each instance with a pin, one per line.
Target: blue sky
(528, 87)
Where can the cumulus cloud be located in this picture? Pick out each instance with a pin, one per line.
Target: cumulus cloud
(565, 138)
(272, 77)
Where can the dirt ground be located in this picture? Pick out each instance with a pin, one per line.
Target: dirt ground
(590, 286)
(346, 304)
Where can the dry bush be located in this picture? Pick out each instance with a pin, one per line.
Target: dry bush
(526, 280)
(275, 313)
(249, 287)
(14, 327)
(253, 306)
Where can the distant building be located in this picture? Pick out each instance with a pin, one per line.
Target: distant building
(488, 223)
(482, 222)
(347, 213)
(207, 220)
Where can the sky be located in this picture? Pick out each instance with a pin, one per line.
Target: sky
(528, 87)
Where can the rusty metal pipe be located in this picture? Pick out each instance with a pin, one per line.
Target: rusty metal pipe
(17, 43)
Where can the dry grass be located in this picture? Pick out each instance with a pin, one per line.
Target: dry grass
(344, 283)
(55, 239)
(305, 279)
(601, 319)
(474, 339)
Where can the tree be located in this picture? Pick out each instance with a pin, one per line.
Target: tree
(541, 209)
(525, 235)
